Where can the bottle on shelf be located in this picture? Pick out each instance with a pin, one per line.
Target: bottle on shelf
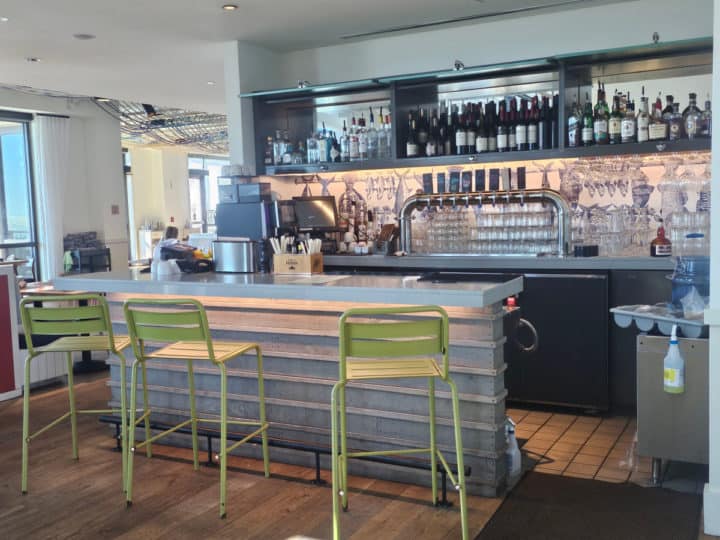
(661, 246)
(422, 130)
(460, 136)
(601, 118)
(554, 113)
(382, 145)
(491, 126)
(668, 110)
(362, 139)
(269, 160)
(532, 126)
(278, 147)
(323, 145)
(431, 146)
(450, 131)
(388, 138)
(574, 126)
(411, 144)
(512, 126)
(503, 144)
(643, 120)
(588, 128)
(372, 138)
(354, 141)
(470, 132)
(706, 121)
(658, 129)
(481, 135)
(312, 149)
(287, 149)
(675, 123)
(692, 117)
(543, 125)
(615, 122)
(335, 150)
(344, 144)
(628, 125)
(521, 130)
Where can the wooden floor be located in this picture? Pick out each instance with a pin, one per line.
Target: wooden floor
(84, 499)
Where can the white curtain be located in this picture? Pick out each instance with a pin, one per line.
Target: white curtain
(51, 148)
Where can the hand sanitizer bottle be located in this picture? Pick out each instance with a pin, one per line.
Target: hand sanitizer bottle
(674, 367)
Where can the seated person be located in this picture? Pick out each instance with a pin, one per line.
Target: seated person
(169, 238)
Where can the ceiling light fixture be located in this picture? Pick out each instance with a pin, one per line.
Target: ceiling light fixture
(458, 65)
(211, 83)
(4, 19)
(84, 37)
(32, 59)
(103, 99)
(229, 7)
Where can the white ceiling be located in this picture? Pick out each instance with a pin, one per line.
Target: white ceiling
(165, 51)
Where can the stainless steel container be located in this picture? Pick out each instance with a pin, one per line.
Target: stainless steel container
(238, 256)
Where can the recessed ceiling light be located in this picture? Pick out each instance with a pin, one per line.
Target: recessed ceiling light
(211, 83)
(84, 37)
(103, 99)
(4, 19)
(33, 59)
(229, 7)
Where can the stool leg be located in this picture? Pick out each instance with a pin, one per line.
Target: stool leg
(343, 450)
(263, 419)
(73, 411)
(336, 489)
(433, 441)
(223, 439)
(146, 407)
(123, 417)
(26, 425)
(459, 457)
(193, 415)
(131, 434)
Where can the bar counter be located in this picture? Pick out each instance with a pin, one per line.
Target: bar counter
(295, 320)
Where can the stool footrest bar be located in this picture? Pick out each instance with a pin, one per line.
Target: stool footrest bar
(163, 434)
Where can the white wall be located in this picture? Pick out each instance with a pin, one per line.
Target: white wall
(96, 170)
(493, 41)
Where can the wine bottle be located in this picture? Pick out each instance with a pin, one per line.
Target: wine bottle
(411, 143)
(532, 126)
(460, 136)
(521, 130)
(502, 131)
(512, 126)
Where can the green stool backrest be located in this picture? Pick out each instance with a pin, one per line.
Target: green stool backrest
(426, 336)
(63, 320)
(166, 321)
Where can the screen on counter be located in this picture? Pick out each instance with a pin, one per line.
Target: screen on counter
(319, 213)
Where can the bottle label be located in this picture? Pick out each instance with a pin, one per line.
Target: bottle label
(673, 379)
(627, 130)
(460, 139)
(573, 133)
(587, 134)
(363, 145)
(502, 141)
(657, 131)
(412, 150)
(614, 127)
(492, 144)
(661, 250)
(532, 134)
(354, 149)
(422, 137)
(690, 126)
(521, 135)
(481, 144)
(512, 140)
(600, 129)
(430, 149)
(674, 131)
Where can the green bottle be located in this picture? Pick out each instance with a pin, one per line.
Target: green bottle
(587, 124)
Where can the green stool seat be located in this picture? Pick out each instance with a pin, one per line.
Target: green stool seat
(180, 329)
(82, 327)
(394, 343)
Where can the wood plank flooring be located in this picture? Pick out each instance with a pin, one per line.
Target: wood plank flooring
(84, 499)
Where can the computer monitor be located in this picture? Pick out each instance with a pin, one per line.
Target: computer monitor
(316, 213)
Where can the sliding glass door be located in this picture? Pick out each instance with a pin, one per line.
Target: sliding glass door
(17, 226)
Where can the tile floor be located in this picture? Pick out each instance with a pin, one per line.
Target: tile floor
(581, 446)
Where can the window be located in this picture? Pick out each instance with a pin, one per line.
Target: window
(17, 224)
(203, 173)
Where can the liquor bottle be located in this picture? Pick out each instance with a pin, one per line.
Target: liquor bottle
(411, 144)
(450, 133)
(601, 117)
(658, 129)
(422, 130)
(675, 123)
(278, 147)
(706, 121)
(574, 127)
(269, 150)
(532, 126)
(323, 145)
(470, 133)
(692, 117)
(554, 124)
(543, 127)
(362, 138)
(388, 136)
(668, 110)
(287, 149)
(628, 125)
(382, 146)
(354, 141)
(442, 130)
(481, 136)
(661, 246)
(460, 136)
(521, 130)
(335, 150)
(588, 129)
(372, 138)
(512, 126)
(344, 144)
(502, 131)
(615, 122)
(643, 121)
(491, 127)
(431, 145)
(312, 149)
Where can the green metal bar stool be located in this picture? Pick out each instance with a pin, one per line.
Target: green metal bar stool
(79, 328)
(183, 324)
(383, 343)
